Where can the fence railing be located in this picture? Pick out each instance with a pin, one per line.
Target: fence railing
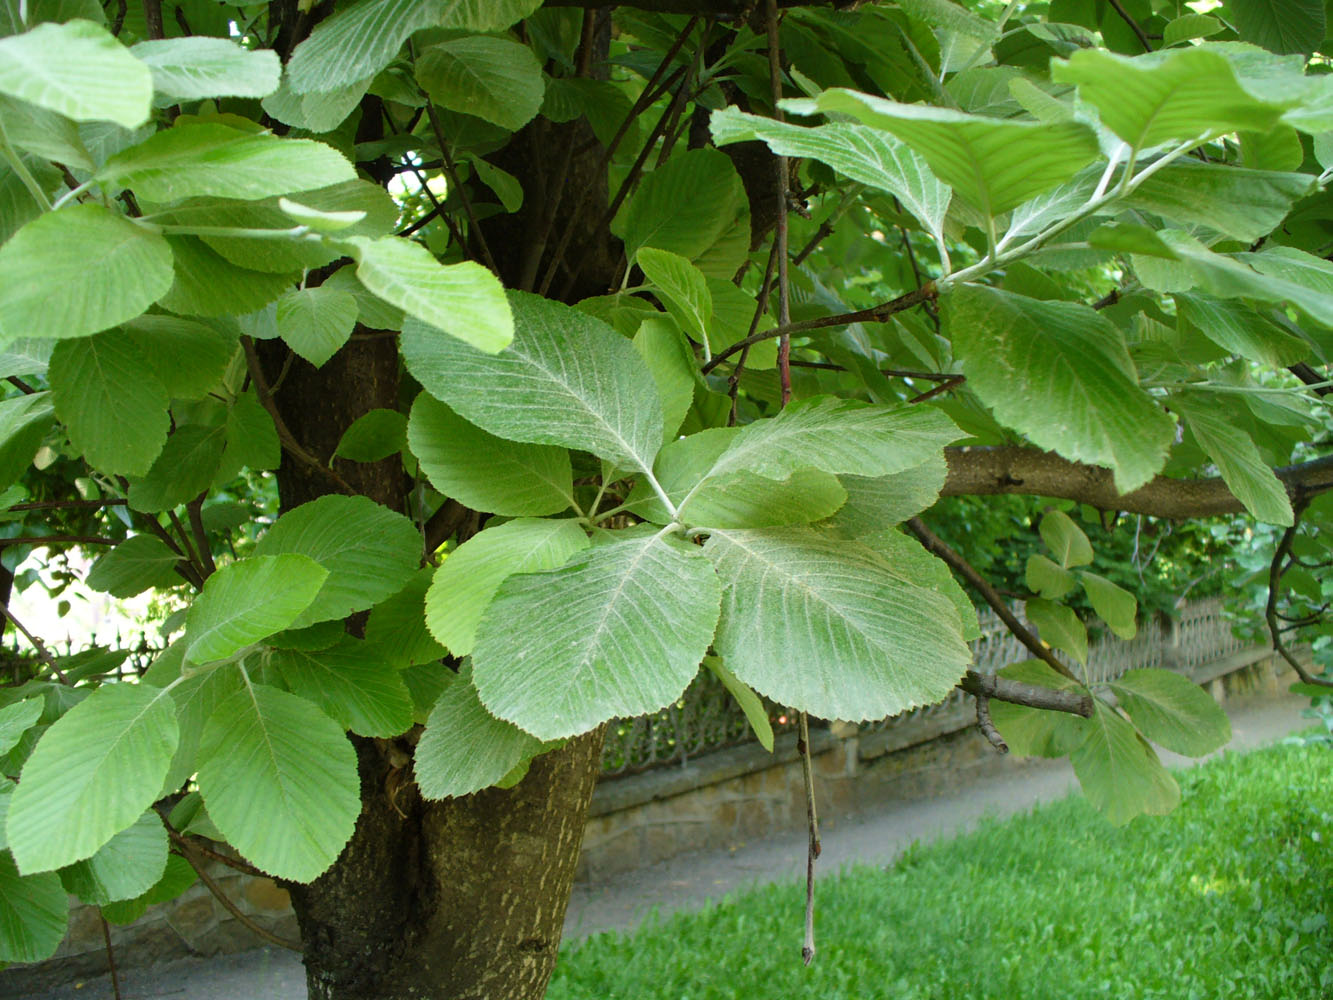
(707, 718)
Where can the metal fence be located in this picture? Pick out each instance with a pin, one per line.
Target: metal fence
(707, 718)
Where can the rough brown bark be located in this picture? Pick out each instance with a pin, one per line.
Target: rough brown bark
(463, 899)
(457, 900)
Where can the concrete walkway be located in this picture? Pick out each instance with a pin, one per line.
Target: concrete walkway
(690, 881)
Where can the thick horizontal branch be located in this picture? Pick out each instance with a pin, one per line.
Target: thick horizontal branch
(1075, 702)
(992, 471)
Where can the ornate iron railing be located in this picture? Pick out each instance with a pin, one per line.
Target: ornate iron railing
(707, 718)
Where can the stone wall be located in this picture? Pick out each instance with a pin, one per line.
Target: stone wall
(717, 801)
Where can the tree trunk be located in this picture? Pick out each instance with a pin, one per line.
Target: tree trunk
(458, 899)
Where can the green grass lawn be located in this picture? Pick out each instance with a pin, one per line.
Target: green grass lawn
(1228, 897)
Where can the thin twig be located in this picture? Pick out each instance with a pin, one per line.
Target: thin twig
(992, 597)
(813, 848)
(57, 540)
(190, 554)
(1134, 26)
(194, 509)
(644, 101)
(1275, 570)
(632, 177)
(110, 956)
(285, 436)
(43, 653)
(197, 845)
(760, 308)
(232, 908)
(21, 385)
(185, 568)
(152, 16)
(57, 504)
(987, 725)
(946, 386)
(875, 314)
(452, 173)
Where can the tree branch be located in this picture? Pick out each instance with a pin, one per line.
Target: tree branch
(999, 605)
(1032, 695)
(1275, 571)
(875, 314)
(1029, 471)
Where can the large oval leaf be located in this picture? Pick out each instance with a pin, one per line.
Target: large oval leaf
(280, 781)
(91, 775)
(107, 268)
(248, 600)
(826, 625)
(619, 630)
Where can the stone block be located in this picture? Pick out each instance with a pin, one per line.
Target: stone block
(265, 896)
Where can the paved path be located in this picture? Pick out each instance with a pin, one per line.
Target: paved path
(689, 881)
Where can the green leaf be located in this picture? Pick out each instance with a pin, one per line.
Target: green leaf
(34, 912)
(196, 697)
(207, 284)
(466, 582)
(464, 300)
(464, 748)
(1035, 732)
(1241, 203)
(1059, 372)
(826, 625)
(397, 629)
(505, 185)
(619, 630)
(79, 70)
(319, 220)
(1049, 579)
(126, 866)
(280, 781)
(45, 134)
(373, 436)
(485, 472)
(755, 712)
(493, 79)
(1119, 773)
(252, 438)
(369, 551)
(184, 469)
(993, 164)
(1279, 149)
(15, 720)
(1243, 469)
(1116, 606)
(866, 155)
(1240, 330)
(91, 775)
(108, 270)
(913, 564)
(541, 389)
(356, 42)
(189, 358)
(1065, 539)
(316, 322)
(682, 288)
(1059, 627)
(247, 600)
(1173, 711)
(352, 682)
(187, 69)
(876, 503)
(24, 423)
(113, 406)
(1280, 25)
(1186, 94)
(688, 205)
(671, 363)
(210, 160)
(1190, 26)
(316, 111)
(141, 562)
(736, 498)
(1304, 280)
(838, 436)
